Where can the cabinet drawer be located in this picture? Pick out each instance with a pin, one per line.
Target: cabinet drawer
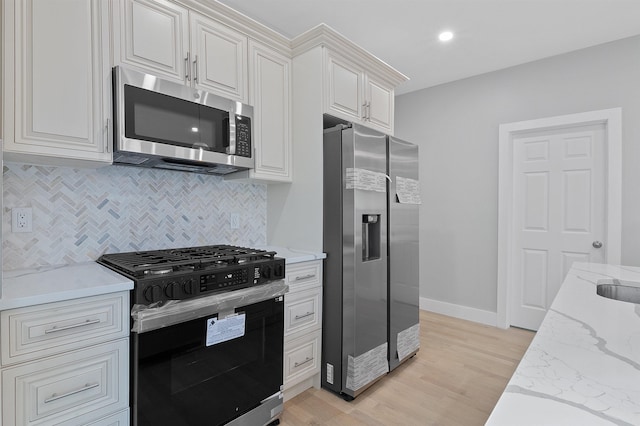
(53, 328)
(302, 358)
(118, 419)
(304, 275)
(74, 388)
(302, 311)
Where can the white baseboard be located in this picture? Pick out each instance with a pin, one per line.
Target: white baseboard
(459, 311)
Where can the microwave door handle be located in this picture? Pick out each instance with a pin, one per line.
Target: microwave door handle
(232, 132)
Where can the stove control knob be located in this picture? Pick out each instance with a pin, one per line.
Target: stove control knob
(172, 290)
(188, 286)
(153, 293)
(278, 271)
(266, 271)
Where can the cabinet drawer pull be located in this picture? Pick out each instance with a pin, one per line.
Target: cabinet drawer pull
(304, 277)
(55, 328)
(56, 397)
(308, 314)
(298, 364)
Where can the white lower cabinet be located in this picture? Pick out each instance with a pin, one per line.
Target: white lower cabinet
(302, 328)
(118, 419)
(78, 370)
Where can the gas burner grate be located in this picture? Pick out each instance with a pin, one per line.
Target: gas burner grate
(139, 264)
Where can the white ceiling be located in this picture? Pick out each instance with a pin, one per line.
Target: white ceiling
(490, 34)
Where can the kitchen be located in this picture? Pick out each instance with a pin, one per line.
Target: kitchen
(89, 212)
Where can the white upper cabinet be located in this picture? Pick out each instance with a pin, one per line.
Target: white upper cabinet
(57, 85)
(270, 94)
(219, 58)
(168, 40)
(356, 95)
(152, 35)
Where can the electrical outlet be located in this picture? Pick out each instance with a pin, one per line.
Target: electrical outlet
(21, 218)
(235, 221)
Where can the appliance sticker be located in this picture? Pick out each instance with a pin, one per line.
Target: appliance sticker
(408, 341)
(221, 330)
(408, 190)
(364, 369)
(365, 180)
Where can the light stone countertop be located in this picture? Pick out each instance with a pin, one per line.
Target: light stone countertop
(583, 365)
(293, 255)
(27, 287)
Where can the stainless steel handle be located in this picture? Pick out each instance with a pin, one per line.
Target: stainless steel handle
(298, 364)
(364, 111)
(369, 111)
(304, 277)
(597, 244)
(55, 328)
(108, 141)
(56, 397)
(308, 314)
(195, 70)
(186, 67)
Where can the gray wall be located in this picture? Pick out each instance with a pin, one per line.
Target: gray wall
(456, 126)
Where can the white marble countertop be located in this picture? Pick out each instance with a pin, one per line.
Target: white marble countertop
(27, 287)
(293, 255)
(583, 365)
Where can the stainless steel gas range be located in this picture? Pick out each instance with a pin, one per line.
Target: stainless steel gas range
(207, 335)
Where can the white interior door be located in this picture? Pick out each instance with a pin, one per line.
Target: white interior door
(558, 213)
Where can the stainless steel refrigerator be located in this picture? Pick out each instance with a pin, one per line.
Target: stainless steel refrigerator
(370, 296)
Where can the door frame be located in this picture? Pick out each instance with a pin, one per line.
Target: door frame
(612, 120)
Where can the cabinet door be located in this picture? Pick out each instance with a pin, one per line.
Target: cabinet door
(345, 97)
(270, 95)
(153, 36)
(57, 74)
(218, 58)
(380, 105)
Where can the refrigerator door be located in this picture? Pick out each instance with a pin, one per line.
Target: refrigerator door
(404, 200)
(355, 240)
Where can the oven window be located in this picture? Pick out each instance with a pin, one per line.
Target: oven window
(160, 118)
(178, 380)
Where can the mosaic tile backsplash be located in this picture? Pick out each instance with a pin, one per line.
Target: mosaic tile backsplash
(79, 214)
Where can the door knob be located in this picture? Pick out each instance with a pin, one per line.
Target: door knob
(597, 244)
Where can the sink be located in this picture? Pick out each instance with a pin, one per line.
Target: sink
(621, 292)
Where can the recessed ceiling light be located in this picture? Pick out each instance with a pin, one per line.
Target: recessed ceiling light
(445, 36)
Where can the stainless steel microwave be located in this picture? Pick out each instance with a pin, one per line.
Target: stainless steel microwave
(167, 125)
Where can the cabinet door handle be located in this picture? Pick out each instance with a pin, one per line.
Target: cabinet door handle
(186, 67)
(56, 397)
(369, 111)
(195, 70)
(298, 364)
(308, 314)
(55, 328)
(364, 111)
(107, 145)
(304, 277)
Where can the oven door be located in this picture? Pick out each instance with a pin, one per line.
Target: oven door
(210, 370)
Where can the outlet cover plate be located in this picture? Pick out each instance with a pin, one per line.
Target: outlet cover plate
(21, 219)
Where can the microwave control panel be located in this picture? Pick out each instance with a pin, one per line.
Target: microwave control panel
(243, 136)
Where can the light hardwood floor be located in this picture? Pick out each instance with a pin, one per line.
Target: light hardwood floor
(455, 379)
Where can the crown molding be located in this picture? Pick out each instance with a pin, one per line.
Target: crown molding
(324, 35)
(236, 20)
